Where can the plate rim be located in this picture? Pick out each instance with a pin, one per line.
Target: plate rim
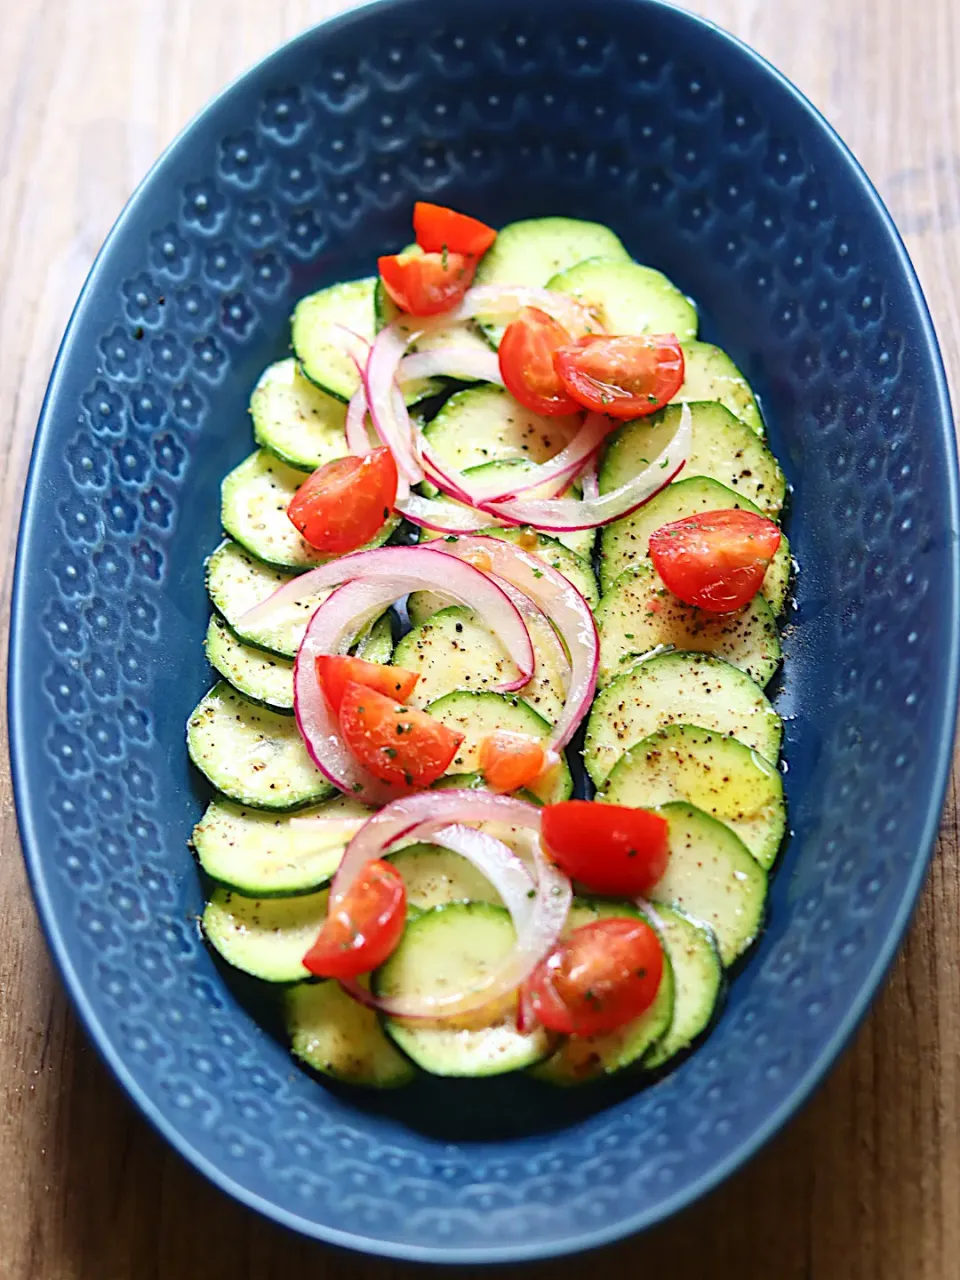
(18, 728)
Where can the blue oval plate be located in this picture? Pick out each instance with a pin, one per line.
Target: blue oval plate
(714, 169)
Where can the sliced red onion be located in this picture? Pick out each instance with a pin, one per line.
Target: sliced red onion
(534, 617)
(589, 480)
(436, 816)
(564, 515)
(465, 363)
(442, 517)
(387, 409)
(563, 605)
(503, 301)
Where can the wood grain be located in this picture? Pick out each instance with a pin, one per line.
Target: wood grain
(865, 1185)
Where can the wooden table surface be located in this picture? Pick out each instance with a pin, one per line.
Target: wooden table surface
(865, 1185)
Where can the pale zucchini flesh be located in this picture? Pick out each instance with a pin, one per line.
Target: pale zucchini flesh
(435, 877)
(678, 688)
(262, 677)
(456, 948)
(340, 1038)
(626, 297)
(264, 937)
(717, 774)
(251, 754)
(295, 420)
(638, 617)
(710, 374)
(697, 982)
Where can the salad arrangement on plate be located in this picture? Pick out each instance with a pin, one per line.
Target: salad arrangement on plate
(393, 842)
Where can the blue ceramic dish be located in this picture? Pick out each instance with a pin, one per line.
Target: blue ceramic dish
(714, 169)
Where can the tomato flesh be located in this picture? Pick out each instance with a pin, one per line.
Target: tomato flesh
(601, 977)
(510, 760)
(335, 673)
(345, 502)
(610, 848)
(426, 284)
(628, 376)
(396, 743)
(437, 228)
(363, 928)
(526, 356)
(715, 560)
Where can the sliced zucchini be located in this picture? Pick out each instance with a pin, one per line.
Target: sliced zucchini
(712, 876)
(265, 855)
(710, 374)
(697, 981)
(376, 643)
(265, 937)
(254, 500)
(626, 541)
(485, 424)
(582, 1058)
(724, 449)
(253, 755)
(321, 327)
(628, 298)
(477, 714)
(454, 650)
(678, 688)
(435, 877)
(719, 775)
(423, 604)
(335, 1035)
(535, 250)
(638, 616)
(338, 1037)
(299, 424)
(454, 948)
(263, 677)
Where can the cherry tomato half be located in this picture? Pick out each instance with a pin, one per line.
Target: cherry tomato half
(424, 284)
(396, 743)
(363, 928)
(526, 355)
(609, 848)
(601, 977)
(510, 760)
(715, 560)
(335, 673)
(345, 502)
(437, 228)
(625, 377)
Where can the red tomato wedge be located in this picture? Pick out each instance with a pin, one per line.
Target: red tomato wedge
(437, 228)
(396, 743)
(360, 932)
(510, 760)
(625, 377)
(425, 284)
(526, 354)
(345, 502)
(715, 560)
(609, 848)
(335, 673)
(601, 977)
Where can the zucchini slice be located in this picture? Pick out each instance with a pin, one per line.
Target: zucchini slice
(712, 876)
(582, 1058)
(697, 981)
(265, 937)
(337, 1036)
(485, 424)
(638, 616)
(710, 374)
(719, 775)
(322, 346)
(262, 677)
(678, 688)
(266, 855)
(253, 755)
(533, 251)
(477, 714)
(254, 500)
(626, 541)
(628, 298)
(454, 650)
(724, 449)
(296, 421)
(448, 948)
(435, 877)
